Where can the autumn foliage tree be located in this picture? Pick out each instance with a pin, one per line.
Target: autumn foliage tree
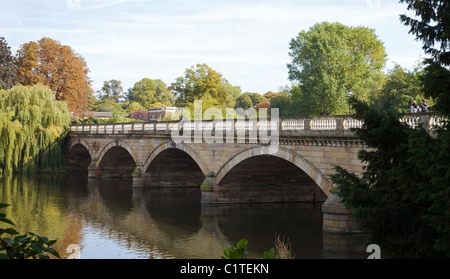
(49, 62)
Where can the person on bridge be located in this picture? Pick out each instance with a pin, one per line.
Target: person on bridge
(414, 107)
(424, 106)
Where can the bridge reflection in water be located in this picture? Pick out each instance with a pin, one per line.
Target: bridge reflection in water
(108, 218)
(173, 223)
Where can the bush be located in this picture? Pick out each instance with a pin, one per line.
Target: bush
(23, 246)
(240, 252)
(140, 115)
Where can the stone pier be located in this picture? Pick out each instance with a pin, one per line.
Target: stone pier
(342, 237)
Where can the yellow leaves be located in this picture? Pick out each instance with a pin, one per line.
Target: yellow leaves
(28, 63)
(53, 133)
(58, 67)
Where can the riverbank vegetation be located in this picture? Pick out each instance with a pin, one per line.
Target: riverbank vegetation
(281, 250)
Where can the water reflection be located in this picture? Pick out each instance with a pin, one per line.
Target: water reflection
(107, 218)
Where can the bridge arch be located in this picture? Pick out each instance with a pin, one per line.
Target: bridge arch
(283, 153)
(78, 155)
(83, 143)
(169, 145)
(170, 165)
(113, 144)
(116, 159)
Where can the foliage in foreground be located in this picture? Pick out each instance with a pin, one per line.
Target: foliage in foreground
(23, 246)
(280, 251)
(240, 252)
(402, 196)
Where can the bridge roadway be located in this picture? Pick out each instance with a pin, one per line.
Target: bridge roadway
(240, 161)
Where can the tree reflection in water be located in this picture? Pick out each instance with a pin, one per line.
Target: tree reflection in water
(108, 218)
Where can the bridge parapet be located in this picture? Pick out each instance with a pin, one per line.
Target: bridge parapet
(324, 126)
(429, 121)
(327, 123)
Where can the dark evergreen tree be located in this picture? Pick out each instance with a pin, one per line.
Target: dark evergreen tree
(432, 27)
(402, 196)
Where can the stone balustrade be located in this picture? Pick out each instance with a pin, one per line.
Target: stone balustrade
(314, 126)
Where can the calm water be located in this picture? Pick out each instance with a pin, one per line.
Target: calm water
(108, 219)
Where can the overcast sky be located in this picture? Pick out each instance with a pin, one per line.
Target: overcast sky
(247, 41)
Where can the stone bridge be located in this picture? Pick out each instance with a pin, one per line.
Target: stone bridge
(283, 160)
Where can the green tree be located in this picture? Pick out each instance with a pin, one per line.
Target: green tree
(283, 102)
(249, 100)
(8, 66)
(244, 101)
(134, 107)
(436, 81)
(269, 94)
(109, 105)
(151, 93)
(296, 97)
(205, 84)
(32, 129)
(233, 93)
(112, 90)
(287, 100)
(399, 89)
(256, 98)
(330, 58)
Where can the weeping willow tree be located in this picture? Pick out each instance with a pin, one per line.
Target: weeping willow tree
(32, 129)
